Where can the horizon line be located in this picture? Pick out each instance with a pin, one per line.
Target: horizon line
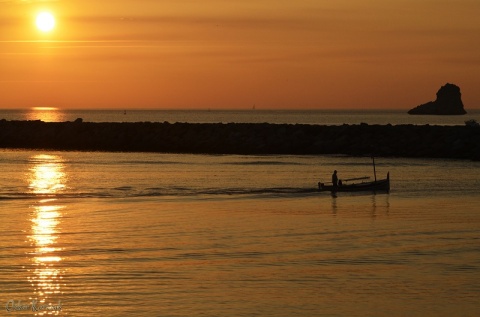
(52, 108)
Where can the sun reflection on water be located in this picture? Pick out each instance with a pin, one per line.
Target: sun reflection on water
(47, 175)
(46, 114)
(46, 178)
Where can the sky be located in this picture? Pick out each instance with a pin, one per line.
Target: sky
(219, 54)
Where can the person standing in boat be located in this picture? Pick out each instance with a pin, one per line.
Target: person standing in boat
(335, 179)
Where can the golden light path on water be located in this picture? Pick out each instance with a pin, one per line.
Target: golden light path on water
(46, 178)
(46, 114)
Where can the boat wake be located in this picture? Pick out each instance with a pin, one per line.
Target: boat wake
(132, 192)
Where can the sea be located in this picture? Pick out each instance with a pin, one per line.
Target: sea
(166, 234)
(321, 117)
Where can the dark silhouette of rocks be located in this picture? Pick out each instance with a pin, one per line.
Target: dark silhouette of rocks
(448, 102)
(460, 142)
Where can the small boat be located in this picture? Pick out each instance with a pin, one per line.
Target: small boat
(381, 185)
(376, 185)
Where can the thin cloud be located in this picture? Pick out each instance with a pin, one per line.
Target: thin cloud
(27, 1)
(215, 21)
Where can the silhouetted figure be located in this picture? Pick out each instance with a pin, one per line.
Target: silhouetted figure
(335, 178)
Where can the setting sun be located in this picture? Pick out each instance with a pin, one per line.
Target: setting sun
(45, 21)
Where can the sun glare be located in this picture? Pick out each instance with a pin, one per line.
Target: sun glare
(45, 21)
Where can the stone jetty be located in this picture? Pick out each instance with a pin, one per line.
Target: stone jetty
(458, 142)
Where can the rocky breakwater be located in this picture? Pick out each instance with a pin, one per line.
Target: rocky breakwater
(462, 142)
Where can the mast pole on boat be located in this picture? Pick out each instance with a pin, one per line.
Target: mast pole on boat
(374, 171)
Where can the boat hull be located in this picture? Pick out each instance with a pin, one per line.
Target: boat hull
(379, 185)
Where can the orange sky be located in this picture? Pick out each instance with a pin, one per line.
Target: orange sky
(278, 54)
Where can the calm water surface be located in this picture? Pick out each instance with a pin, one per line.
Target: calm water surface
(118, 234)
(324, 117)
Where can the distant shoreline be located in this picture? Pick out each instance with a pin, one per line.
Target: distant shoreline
(428, 141)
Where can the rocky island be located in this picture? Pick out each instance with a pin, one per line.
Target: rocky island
(458, 142)
(448, 102)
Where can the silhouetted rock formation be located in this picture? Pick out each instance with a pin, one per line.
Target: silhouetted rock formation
(462, 142)
(448, 102)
